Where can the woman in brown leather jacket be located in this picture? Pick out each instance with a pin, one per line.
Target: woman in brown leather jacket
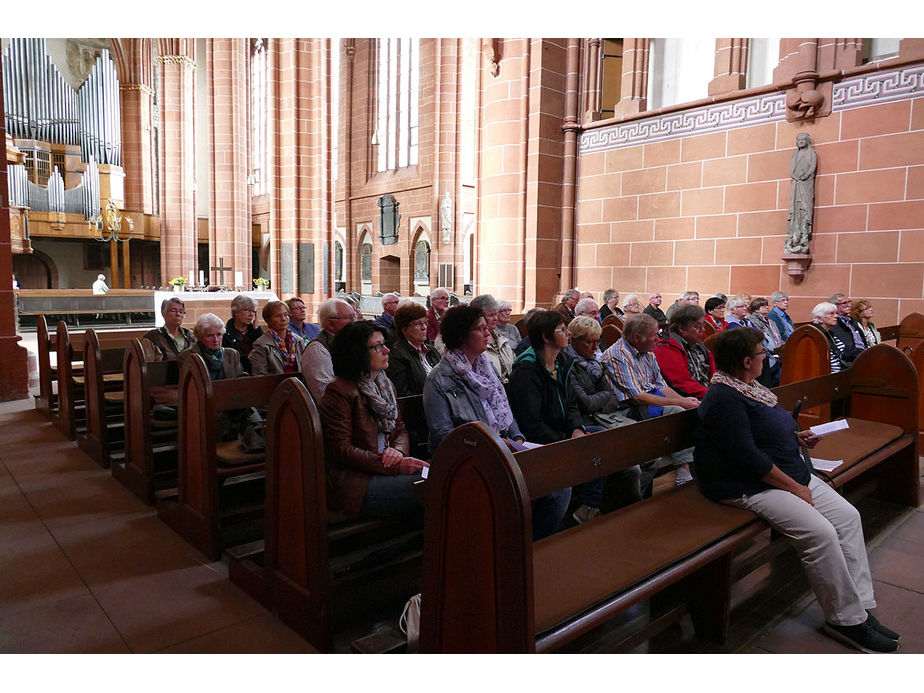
(365, 439)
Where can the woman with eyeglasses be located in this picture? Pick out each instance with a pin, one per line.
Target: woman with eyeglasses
(824, 317)
(748, 455)
(168, 341)
(504, 326)
(278, 350)
(241, 331)
(365, 441)
(412, 356)
(465, 388)
(861, 311)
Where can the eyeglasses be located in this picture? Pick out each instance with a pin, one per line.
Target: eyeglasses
(505, 310)
(562, 330)
(590, 342)
(380, 347)
(179, 311)
(419, 323)
(762, 352)
(844, 303)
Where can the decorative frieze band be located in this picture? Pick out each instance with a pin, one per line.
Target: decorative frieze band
(136, 87)
(879, 87)
(864, 90)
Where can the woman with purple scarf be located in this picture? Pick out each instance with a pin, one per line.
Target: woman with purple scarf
(464, 387)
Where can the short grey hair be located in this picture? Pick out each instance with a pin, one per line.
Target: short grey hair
(484, 302)
(205, 322)
(390, 295)
(328, 309)
(735, 302)
(823, 308)
(570, 292)
(778, 296)
(687, 295)
(439, 290)
(833, 298)
(165, 304)
(503, 305)
(628, 298)
(241, 302)
(608, 294)
(638, 323)
(584, 305)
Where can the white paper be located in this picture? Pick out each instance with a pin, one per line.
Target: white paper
(826, 428)
(826, 465)
(424, 473)
(530, 446)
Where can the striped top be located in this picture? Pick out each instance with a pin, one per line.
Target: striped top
(630, 372)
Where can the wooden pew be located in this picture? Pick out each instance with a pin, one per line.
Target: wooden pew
(487, 587)
(103, 437)
(610, 334)
(910, 332)
(47, 400)
(218, 501)
(708, 329)
(613, 320)
(917, 358)
(70, 411)
(317, 569)
(150, 461)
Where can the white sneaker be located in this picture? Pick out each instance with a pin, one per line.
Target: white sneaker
(585, 514)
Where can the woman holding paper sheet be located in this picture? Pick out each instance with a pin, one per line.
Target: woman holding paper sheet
(748, 455)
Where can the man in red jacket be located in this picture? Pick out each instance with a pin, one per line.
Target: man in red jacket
(685, 362)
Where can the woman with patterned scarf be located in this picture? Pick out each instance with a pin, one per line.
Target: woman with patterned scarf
(365, 440)
(464, 387)
(749, 455)
(278, 350)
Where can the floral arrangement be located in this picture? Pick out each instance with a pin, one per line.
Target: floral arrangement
(261, 283)
(178, 281)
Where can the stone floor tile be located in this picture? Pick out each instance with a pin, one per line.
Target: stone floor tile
(262, 634)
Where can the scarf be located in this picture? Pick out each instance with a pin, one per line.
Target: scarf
(752, 390)
(483, 381)
(214, 361)
(593, 367)
(381, 397)
(286, 347)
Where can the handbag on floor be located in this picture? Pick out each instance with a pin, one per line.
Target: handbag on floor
(409, 623)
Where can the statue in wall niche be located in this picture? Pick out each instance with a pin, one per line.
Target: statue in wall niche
(365, 262)
(389, 219)
(446, 218)
(801, 196)
(422, 262)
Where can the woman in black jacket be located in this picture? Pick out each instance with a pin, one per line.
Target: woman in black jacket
(412, 354)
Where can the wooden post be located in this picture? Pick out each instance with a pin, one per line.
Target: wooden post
(126, 265)
(114, 263)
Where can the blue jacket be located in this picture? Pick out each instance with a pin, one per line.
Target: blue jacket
(783, 322)
(739, 440)
(449, 402)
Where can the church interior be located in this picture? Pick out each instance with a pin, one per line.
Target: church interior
(516, 167)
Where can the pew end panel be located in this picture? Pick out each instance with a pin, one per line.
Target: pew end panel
(65, 418)
(806, 356)
(910, 332)
(103, 437)
(477, 592)
(45, 402)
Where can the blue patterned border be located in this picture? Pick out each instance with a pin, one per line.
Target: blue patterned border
(880, 87)
(866, 90)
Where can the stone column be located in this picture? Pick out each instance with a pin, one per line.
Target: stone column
(14, 372)
(133, 60)
(230, 235)
(731, 64)
(178, 231)
(634, 77)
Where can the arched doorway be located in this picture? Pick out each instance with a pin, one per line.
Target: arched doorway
(35, 271)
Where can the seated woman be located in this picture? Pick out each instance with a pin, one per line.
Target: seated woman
(599, 406)
(861, 310)
(543, 400)
(504, 326)
(748, 455)
(412, 356)
(278, 349)
(631, 305)
(365, 440)
(759, 311)
(222, 364)
(685, 362)
(241, 331)
(464, 387)
(736, 314)
(500, 350)
(715, 313)
(168, 341)
(824, 317)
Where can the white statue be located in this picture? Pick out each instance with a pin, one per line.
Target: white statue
(446, 218)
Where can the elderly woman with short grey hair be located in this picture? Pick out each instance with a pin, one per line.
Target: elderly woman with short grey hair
(631, 305)
(241, 330)
(824, 317)
(500, 349)
(172, 338)
(504, 326)
(222, 363)
(736, 312)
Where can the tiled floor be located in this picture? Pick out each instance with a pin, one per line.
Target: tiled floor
(86, 567)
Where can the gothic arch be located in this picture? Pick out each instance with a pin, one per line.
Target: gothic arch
(421, 259)
(26, 266)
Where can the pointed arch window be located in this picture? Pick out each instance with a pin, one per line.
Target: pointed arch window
(258, 112)
(398, 92)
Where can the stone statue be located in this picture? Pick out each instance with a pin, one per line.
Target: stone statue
(801, 196)
(422, 262)
(365, 265)
(446, 218)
